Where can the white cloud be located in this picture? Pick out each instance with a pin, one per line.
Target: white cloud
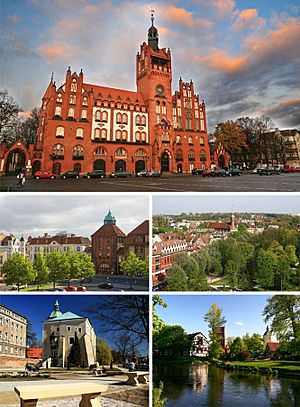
(239, 323)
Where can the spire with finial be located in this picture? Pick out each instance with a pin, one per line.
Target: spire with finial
(152, 11)
(109, 219)
(153, 33)
(52, 76)
(56, 312)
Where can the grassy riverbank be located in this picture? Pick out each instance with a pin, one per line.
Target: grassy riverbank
(272, 367)
(180, 360)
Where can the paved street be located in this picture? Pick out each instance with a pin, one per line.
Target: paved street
(168, 183)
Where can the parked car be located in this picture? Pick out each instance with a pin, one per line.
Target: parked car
(220, 172)
(69, 174)
(197, 171)
(290, 168)
(121, 174)
(106, 285)
(267, 171)
(95, 174)
(44, 175)
(71, 288)
(87, 280)
(255, 170)
(209, 172)
(231, 172)
(81, 288)
(153, 173)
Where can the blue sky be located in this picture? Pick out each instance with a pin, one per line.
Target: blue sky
(38, 307)
(241, 55)
(176, 204)
(242, 312)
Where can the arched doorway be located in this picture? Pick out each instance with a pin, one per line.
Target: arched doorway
(103, 268)
(77, 167)
(16, 161)
(221, 161)
(179, 168)
(165, 162)
(36, 166)
(139, 166)
(120, 165)
(56, 168)
(100, 165)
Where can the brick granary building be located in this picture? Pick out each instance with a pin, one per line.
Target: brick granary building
(86, 126)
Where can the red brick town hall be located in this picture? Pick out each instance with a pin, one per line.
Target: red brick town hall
(84, 127)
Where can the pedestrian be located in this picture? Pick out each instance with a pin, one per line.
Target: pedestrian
(23, 178)
(20, 179)
(131, 367)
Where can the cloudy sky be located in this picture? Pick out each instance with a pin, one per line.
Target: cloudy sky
(260, 203)
(38, 214)
(242, 55)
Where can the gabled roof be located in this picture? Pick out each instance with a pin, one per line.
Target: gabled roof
(273, 346)
(218, 225)
(109, 230)
(118, 95)
(66, 315)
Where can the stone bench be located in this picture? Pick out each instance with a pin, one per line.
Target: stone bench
(90, 392)
(135, 378)
(97, 371)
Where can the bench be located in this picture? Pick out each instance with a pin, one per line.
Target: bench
(97, 371)
(136, 378)
(90, 392)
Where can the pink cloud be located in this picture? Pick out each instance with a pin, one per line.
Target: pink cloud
(221, 61)
(54, 52)
(179, 15)
(248, 18)
(223, 7)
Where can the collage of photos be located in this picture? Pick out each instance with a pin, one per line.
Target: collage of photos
(149, 203)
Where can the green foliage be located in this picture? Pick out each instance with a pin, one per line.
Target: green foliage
(177, 279)
(41, 270)
(81, 265)
(157, 322)
(18, 270)
(171, 339)
(158, 401)
(103, 352)
(59, 266)
(215, 320)
(255, 345)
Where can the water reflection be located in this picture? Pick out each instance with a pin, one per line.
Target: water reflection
(200, 385)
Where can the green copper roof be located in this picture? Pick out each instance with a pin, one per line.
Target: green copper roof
(109, 218)
(57, 315)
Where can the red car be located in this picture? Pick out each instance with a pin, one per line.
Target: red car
(44, 175)
(288, 168)
(81, 288)
(209, 172)
(71, 288)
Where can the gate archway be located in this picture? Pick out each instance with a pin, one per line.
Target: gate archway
(100, 165)
(165, 162)
(16, 161)
(120, 165)
(139, 166)
(56, 168)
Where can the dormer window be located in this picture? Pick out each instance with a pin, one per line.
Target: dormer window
(59, 98)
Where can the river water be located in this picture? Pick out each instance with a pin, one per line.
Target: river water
(202, 385)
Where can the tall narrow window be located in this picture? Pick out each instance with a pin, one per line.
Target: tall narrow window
(138, 120)
(60, 131)
(124, 118)
(57, 111)
(71, 112)
(97, 133)
(73, 85)
(79, 133)
(119, 118)
(84, 114)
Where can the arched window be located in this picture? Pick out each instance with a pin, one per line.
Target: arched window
(73, 85)
(178, 140)
(84, 101)
(100, 152)
(58, 151)
(118, 135)
(143, 120)
(188, 121)
(72, 99)
(157, 107)
(138, 136)
(191, 155)
(104, 116)
(163, 108)
(119, 118)
(84, 114)
(79, 133)
(57, 111)
(77, 167)
(143, 136)
(97, 133)
(165, 136)
(121, 152)
(98, 116)
(179, 155)
(140, 153)
(124, 135)
(138, 120)
(71, 112)
(124, 118)
(103, 134)
(78, 152)
(60, 131)
(190, 140)
(59, 98)
(202, 155)
(201, 141)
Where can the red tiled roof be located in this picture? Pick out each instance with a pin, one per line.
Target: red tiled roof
(273, 346)
(218, 225)
(34, 353)
(109, 230)
(59, 239)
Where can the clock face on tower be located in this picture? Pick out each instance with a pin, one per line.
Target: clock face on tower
(159, 90)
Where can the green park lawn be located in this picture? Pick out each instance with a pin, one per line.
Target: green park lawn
(290, 365)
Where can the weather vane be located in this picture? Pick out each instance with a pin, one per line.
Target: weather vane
(152, 11)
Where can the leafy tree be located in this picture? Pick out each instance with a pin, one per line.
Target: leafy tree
(266, 264)
(215, 320)
(158, 401)
(124, 344)
(59, 266)
(171, 339)
(87, 267)
(232, 273)
(29, 127)
(103, 352)
(18, 270)
(41, 270)
(133, 265)
(157, 322)
(255, 345)
(176, 279)
(31, 337)
(231, 137)
(74, 358)
(284, 312)
(238, 349)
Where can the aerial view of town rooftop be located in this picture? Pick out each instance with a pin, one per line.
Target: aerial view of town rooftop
(225, 250)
